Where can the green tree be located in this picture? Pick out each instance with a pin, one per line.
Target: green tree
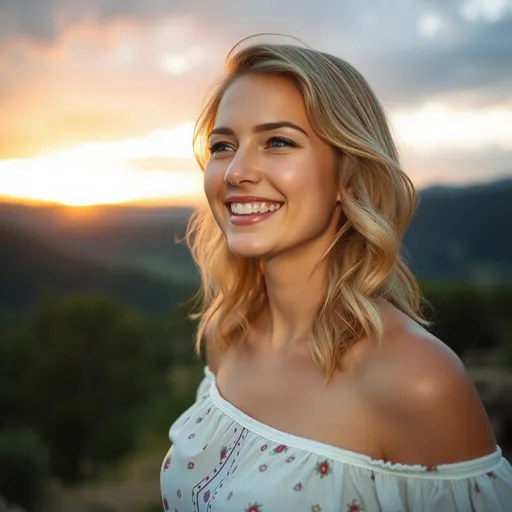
(23, 466)
(461, 317)
(89, 371)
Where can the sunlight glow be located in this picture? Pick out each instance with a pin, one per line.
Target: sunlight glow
(436, 126)
(100, 173)
(106, 172)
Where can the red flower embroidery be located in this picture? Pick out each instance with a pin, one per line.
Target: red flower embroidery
(354, 507)
(223, 452)
(191, 465)
(431, 468)
(279, 449)
(264, 447)
(253, 508)
(323, 468)
(298, 487)
(206, 496)
(165, 504)
(372, 476)
(166, 463)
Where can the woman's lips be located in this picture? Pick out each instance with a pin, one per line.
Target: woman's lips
(251, 218)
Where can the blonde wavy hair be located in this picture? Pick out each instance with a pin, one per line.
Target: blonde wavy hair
(364, 258)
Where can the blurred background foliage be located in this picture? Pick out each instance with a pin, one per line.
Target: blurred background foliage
(96, 357)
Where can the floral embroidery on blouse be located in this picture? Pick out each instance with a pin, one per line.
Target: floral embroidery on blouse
(323, 468)
(262, 468)
(282, 448)
(354, 507)
(253, 508)
(191, 465)
(291, 458)
(264, 447)
(298, 486)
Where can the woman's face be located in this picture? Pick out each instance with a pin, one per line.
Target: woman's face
(270, 181)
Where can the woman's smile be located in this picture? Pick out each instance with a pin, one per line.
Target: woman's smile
(248, 210)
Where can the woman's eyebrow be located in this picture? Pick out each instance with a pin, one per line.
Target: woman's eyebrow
(264, 127)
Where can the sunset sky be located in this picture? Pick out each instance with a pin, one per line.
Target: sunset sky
(98, 98)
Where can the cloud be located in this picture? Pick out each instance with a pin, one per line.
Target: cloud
(411, 51)
(103, 70)
(485, 10)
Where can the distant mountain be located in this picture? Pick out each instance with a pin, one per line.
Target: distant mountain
(29, 268)
(125, 236)
(458, 233)
(463, 233)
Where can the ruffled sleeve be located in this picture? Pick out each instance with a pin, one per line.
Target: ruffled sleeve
(480, 485)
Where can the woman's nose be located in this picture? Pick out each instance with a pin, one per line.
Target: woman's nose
(242, 169)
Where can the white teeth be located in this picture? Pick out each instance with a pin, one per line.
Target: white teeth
(251, 208)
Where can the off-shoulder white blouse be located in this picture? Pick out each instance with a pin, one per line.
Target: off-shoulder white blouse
(222, 460)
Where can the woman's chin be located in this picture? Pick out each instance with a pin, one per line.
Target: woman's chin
(248, 249)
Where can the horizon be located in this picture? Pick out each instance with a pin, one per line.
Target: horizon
(184, 203)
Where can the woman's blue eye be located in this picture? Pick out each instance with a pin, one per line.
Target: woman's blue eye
(280, 142)
(273, 143)
(218, 147)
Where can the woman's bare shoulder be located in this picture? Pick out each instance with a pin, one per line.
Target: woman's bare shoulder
(428, 407)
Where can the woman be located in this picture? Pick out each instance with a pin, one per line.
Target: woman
(323, 390)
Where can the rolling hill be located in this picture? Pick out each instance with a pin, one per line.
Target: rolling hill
(457, 234)
(28, 268)
(463, 234)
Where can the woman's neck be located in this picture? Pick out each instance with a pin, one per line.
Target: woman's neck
(295, 285)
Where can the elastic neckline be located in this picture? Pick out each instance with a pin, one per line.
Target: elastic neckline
(463, 469)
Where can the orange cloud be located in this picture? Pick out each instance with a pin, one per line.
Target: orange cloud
(96, 83)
